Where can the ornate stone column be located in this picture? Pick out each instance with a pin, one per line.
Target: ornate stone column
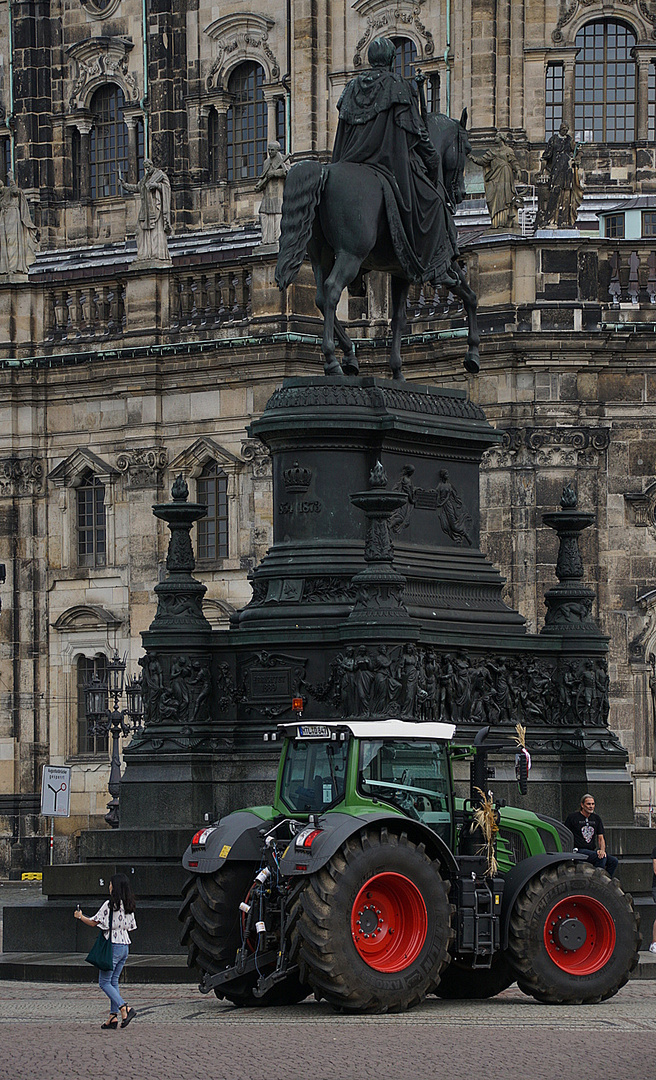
(83, 124)
(569, 64)
(643, 57)
(132, 118)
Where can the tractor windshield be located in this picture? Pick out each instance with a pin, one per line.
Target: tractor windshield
(314, 775)
(412, 774)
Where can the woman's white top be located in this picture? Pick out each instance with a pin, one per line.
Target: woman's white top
(120, 924)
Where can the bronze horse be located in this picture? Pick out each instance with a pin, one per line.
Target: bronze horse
(337, 214)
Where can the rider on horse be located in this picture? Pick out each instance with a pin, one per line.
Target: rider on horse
(380, 126)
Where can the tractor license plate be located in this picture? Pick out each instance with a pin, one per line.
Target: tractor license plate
(313, 731)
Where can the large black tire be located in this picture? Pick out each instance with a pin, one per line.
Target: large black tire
(574, 935)
(382, 898)
(460, 980)
(212, 933)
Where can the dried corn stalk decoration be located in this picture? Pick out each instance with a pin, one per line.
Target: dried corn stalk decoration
(520, 737)
(485, 819)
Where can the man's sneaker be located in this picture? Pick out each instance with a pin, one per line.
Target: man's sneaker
(652, 947)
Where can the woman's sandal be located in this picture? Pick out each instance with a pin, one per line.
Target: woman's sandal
(130, 1015)
(111, 1023)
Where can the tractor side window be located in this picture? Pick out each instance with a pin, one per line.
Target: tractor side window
(411, 774)
(314, 775)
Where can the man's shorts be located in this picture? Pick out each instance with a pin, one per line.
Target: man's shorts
(653, 892)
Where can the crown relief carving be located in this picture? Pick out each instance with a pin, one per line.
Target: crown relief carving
(241, 36)
(97, 61)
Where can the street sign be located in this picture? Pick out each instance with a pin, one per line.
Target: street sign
(56, 791)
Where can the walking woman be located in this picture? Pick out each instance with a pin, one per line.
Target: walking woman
(119, 912)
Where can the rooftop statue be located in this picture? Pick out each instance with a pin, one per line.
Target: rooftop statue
(272, 182)
(154, 221)
(564, 177)
(18, 233)
(385, 203)
(500, 170)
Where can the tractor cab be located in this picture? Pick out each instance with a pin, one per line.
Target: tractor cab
(340, 765)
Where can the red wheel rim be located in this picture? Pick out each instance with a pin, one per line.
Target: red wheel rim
(389, 922)
(579, 935)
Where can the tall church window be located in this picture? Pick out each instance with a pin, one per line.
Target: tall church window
(651, 102)
(553, 99)
(108, 141)
(91, 523)
(247, 122)
(87, 667)
(213, 528)
(605, 83)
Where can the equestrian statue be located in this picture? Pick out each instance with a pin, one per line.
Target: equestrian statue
(386, 202)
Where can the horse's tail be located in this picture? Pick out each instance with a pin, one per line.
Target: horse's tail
(303, 186)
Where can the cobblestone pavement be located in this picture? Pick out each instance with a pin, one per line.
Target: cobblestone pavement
(51, 1032)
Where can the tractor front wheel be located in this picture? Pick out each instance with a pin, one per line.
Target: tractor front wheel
(373, 926)
(574, 935)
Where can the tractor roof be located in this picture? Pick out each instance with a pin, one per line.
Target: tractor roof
(368, 729)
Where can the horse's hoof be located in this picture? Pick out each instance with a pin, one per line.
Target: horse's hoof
(398, 376)
(350, 366)
(472, 364)
(333, 368)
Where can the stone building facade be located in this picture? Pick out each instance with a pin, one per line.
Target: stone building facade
(115, 379)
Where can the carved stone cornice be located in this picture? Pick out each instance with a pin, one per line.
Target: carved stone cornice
(549, 446)
(258, 457)
(143, 466)
(241, 36)
(643, 14)
(643, 506)
(390, 19)
(21, 476)
(101, 60)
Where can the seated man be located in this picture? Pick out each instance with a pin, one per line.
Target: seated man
(589, 840)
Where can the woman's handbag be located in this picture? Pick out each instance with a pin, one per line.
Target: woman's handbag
(100, 954)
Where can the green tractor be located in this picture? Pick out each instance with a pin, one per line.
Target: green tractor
(370, 884)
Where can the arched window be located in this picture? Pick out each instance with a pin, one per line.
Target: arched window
(605, 83)
(406, 54)
(651, 102)
(87, 667)
(108, 141)
(247, 122)
(213, 528)
(91, 528)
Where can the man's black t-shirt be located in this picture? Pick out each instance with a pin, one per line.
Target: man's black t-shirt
(653, 855)
(585, 829)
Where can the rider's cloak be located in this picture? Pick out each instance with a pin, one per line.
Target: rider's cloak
(380, 126)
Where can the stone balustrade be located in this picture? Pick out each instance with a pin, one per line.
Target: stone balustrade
(527, 284)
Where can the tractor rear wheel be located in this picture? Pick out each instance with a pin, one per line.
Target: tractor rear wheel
(373, 926)
(574, 935)
(461, 980)
(212, 933)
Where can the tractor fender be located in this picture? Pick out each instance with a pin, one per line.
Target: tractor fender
(237, 837)
(336, 828)
(515, 881)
